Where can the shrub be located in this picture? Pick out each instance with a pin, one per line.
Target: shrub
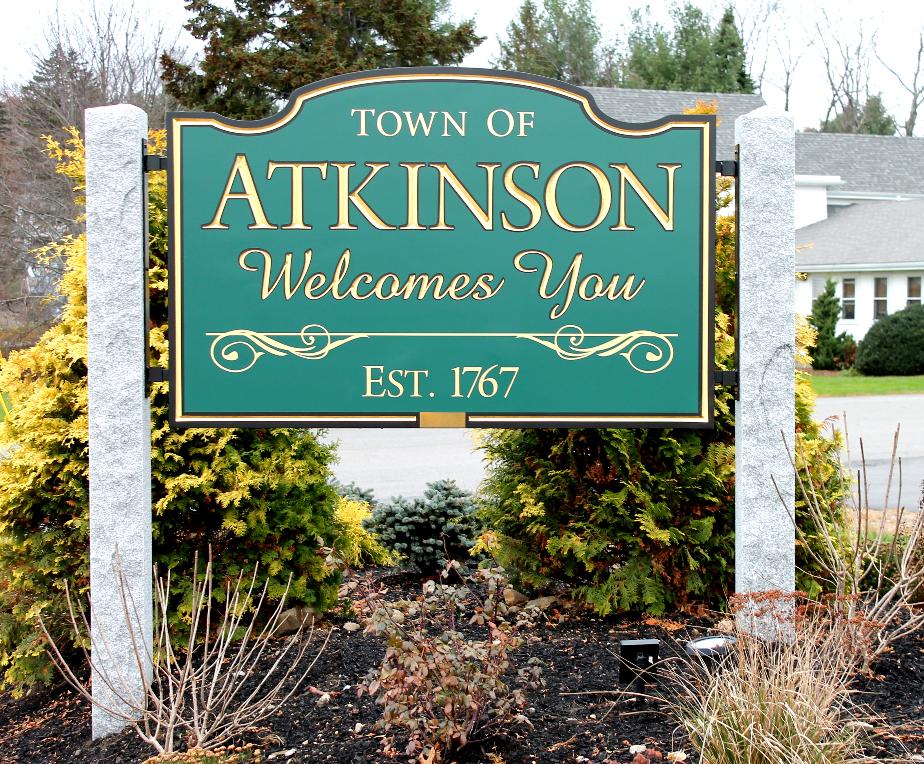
(237, 675)
(357, 545)
(639, 519)
(254, 496)
(894, 344)
(439, 685)
(354, 492)
(428, 531)
(830, 350)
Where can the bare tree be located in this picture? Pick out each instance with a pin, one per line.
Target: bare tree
(846, 67)
(789, 62)
(758, 24)
(106, 55)
(123, 53)
(915, 87)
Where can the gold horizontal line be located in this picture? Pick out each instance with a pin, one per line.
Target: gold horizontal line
(432, 334)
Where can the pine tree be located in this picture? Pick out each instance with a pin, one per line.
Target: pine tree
(731, 65)
(526, 48)
(690, 56)
(258, 52)
(830, 348)
(561, 41)
(870, 118)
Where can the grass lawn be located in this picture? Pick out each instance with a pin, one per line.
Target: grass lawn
(855, 384)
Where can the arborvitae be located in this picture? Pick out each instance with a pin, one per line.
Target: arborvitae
(251, 496)
(829, 350)
(258, 52)
(640, 519)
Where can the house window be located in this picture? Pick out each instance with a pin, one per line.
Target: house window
(848, 299)
(880, 297)
(914, 290)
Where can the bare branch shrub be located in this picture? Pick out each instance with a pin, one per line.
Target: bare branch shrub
(874, 570)
(206, 693)
(774, 702)
(438, 684)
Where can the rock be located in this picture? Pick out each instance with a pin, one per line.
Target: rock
(512, 597)
(351, 626)
(291, 620)
(542, 603)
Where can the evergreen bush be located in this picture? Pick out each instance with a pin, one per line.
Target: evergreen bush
(894, 344)
(253, 496)
(830, 350)
(358, 546)
(640, 519)
(429, 531)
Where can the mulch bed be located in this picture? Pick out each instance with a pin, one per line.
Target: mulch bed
(575, 718)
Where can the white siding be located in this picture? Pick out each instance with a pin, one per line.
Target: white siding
(811, 204)
(865, 283)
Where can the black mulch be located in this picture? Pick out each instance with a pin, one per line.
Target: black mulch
(326, 722)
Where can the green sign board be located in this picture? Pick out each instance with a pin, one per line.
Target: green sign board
(441, 247)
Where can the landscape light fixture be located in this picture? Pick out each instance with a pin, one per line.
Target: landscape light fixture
(637, 656)
(710, 648)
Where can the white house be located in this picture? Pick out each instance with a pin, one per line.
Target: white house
(859, 207)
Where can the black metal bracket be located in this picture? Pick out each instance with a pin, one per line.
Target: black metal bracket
(725, 377)
(157, 374)
(727, 167)
(154, 162)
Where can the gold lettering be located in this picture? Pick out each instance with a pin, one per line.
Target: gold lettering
(570, 278)
(529, 201)
(666, 219)
(551, 196)
(362, 119)
(345, 197)
(298, 206)
(448, 118)
(285, 273)
(417, 122)
(413, 193)
(484, 216)
(240, 169)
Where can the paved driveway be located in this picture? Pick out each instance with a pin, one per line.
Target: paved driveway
(401, 462)
(395, 462)
(873, 419)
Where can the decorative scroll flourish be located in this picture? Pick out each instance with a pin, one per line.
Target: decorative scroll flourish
(647, 352)
(315, 343)
(238, 350)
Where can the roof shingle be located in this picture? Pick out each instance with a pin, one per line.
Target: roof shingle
(866, 163)
(886, 232)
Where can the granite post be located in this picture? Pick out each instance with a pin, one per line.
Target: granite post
(120, 417)
(765, 411)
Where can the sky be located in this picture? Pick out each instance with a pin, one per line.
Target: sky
(896, 26)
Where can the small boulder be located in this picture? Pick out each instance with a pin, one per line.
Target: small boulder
(291, 620)
(513, 598)
(542, 603)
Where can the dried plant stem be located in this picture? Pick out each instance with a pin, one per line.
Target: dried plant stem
(199, 693)
(873, 574)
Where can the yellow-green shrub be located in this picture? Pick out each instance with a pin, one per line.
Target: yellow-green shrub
(640, 519)
(255, 496)
(357, 546)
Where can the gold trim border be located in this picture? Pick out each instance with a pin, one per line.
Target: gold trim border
(294, 109)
